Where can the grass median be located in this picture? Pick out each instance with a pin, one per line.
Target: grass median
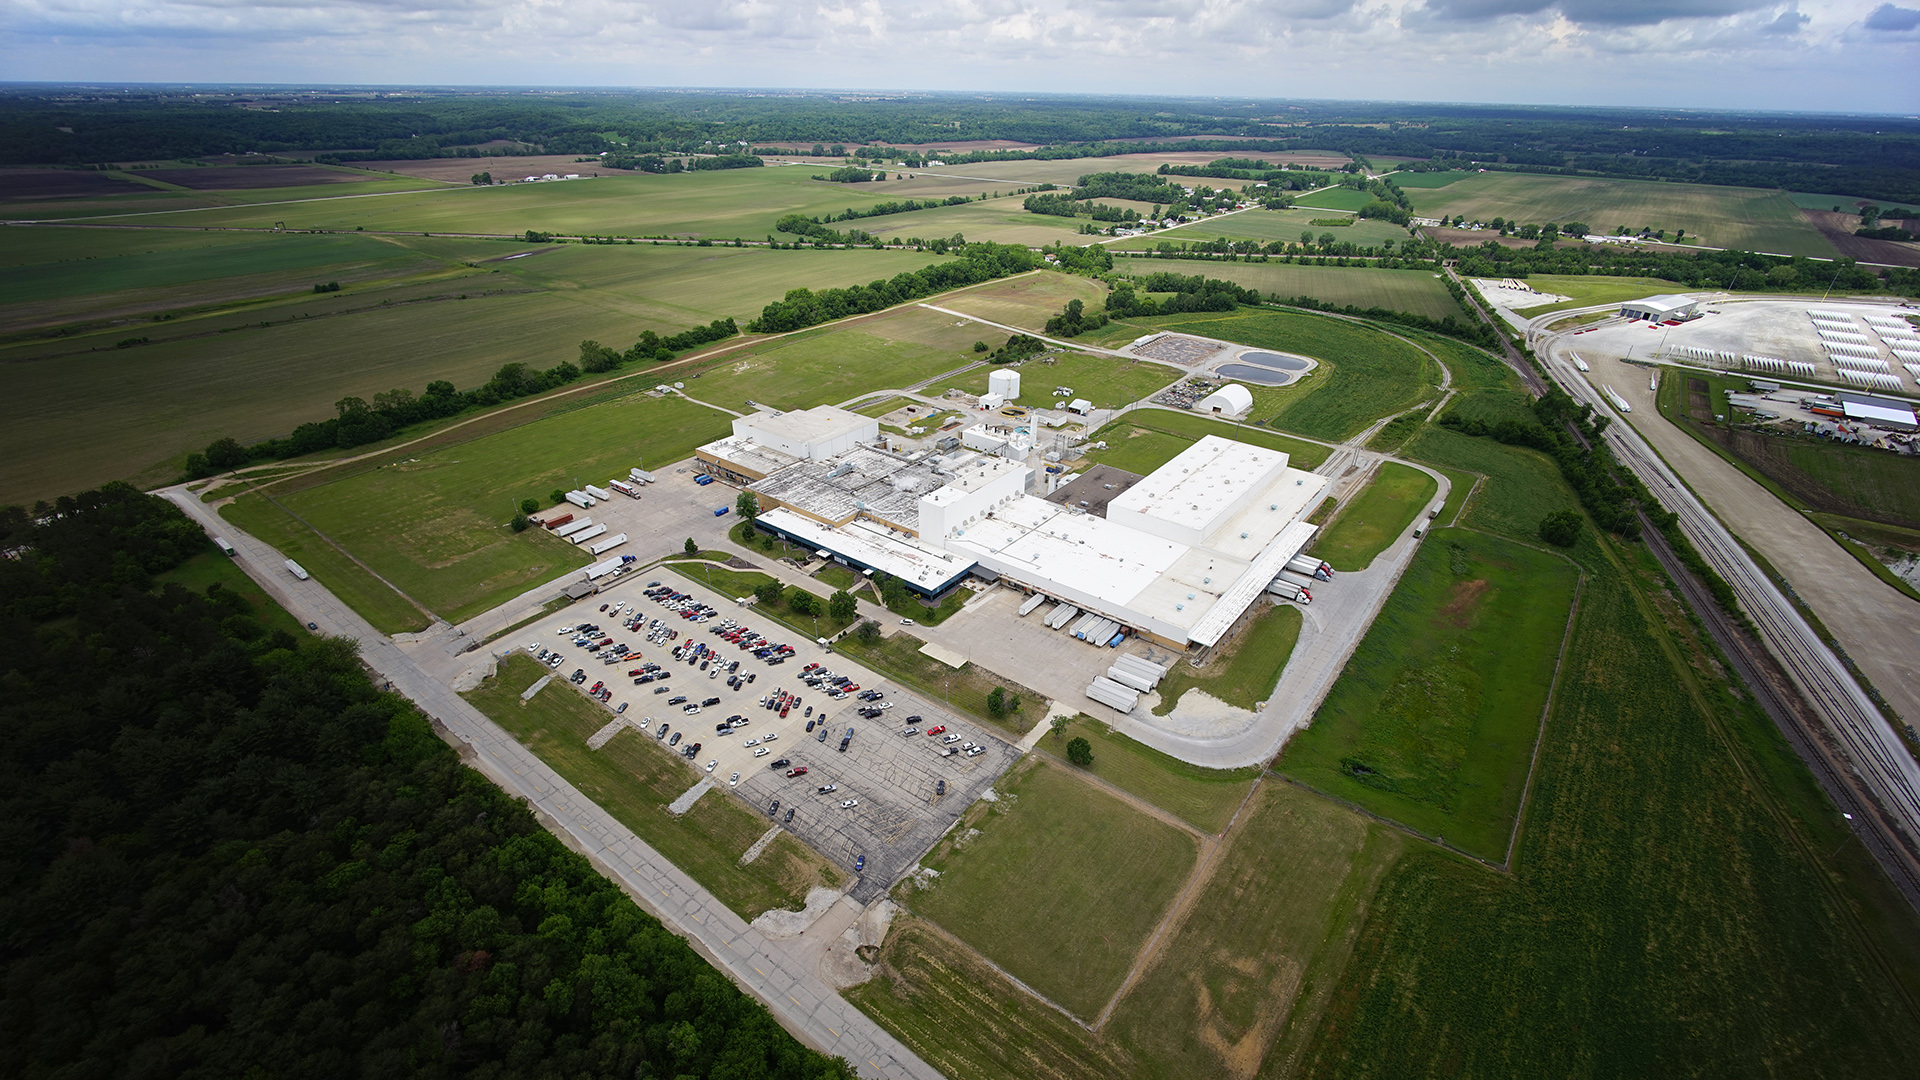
(1204, 798)
(968, 687)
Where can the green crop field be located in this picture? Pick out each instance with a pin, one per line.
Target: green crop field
(1749, 218)
(1394, 497)
(1420, 292)
(1433, 722)
(1107, 381)
(1266, 226)
(1027, 301)
(634, 778)
(1243, 672)
(1204, 798)
(1249, 970)
(1001, 220)
(1847, 204)
(413, 311)
(1408, 181)
(1034, 888)
(435, 526)
(1364, 374)
(1335, 199)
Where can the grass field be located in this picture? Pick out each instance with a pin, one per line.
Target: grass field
(1409, 181)
(1335, 199)
(1248, 971)
(436, 526)
(1107, 381)
(1266, 226)
(898, 657)
(1204, 798)
(1142, 441)
(1027, 301)
(1394, 497)
(1418, 291)
(1748, 218)
(1433, 722)
(833, 365)
(211, 568)
(1244, 672)
(1528, 485)
(1848, 204)
(1364, 373)
(388, 611)
(1032, 882)
(634, 778)
(742, 583)
(1587, 291)
(1000, 220)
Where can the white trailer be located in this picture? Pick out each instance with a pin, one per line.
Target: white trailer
(640, 476)
(1287, 590)
(583, 537)
(608, 544)
(603, 568)
(221, 543)
(1061, 615)
(599, 493)
(1131, 679)
(1033, 601)
(624, 488)
(1311, 566)
(296, 570)
(1112, 694)
(580, 499)
(574, 526)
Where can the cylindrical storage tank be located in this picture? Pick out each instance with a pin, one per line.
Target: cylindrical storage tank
(1004, 383)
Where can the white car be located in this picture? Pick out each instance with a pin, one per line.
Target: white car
(976, 751)
(734, 779)
(951, 739)
(712, 763)
(762, 752)
(883, 704)
(751, 743)
(850, 804)
(770, 736)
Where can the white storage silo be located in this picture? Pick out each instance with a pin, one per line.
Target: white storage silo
(1005, 383)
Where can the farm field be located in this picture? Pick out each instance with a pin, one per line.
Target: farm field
(1416, 291)
(226, 374)
(1248, 971)
(435, 525)
(1203, 798)
(1408, 181)
(1434, 720)
(1026, 301)
(1335, 199)
(1243, 673)
(1365, 526)
(1748, 218)
(1267, 226)
(1068, 171)
(1000, 220)
(634, 778)
(1363, 375)
(1587, 291)
(1034, 891)
(1107, 381)
(1848, 204)
(1142, 441)
(837, 364)
(733, 203)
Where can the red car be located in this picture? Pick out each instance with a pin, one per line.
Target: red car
(801, 771)
(937, 729)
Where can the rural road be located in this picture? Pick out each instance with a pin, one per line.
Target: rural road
(1856, 606)
(803, 1003)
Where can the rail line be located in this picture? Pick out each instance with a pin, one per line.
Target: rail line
(1873, 752)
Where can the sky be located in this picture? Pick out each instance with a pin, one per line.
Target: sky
(1814, 55)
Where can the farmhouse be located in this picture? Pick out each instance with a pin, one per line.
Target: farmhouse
(1178, 555)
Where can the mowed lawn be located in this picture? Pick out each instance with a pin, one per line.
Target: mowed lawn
(1265, 943)
(1061, 885)
(1338, 198)
(1751, 219)
(837, 364)
(1434, 720)
(437, 527)
(1107, 381)
(1244, 673)
(1420, 292)
(1146, 439)
(1364, 373)
(1204, 798)
(633, 777)
(1587, 291)
(1395, 496)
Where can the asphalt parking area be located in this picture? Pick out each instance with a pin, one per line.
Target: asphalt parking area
(894, 778)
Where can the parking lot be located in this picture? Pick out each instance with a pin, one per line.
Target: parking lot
(892, 778)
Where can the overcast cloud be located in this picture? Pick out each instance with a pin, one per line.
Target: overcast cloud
(1759, 54)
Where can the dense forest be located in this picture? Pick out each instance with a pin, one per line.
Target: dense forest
(1868, 156)
(225, 853)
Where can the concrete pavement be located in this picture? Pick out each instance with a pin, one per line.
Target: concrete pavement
(803, 1003)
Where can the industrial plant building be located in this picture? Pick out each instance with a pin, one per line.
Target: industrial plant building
(1178, 555)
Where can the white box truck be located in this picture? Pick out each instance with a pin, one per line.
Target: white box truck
(296, 570)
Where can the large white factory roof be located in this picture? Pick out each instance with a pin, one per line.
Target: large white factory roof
(875, 545)
(806, 425)
(1195, 491)
(1042, 541)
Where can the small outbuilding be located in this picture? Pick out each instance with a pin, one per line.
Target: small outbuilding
(1661, 308)
(1230, 400)
(1081, 406)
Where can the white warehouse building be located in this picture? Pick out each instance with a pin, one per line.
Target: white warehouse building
(1179, 556)
(1230, 400)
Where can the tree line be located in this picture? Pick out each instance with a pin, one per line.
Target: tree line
(229, 853)
(978, 262)
(1728, 269)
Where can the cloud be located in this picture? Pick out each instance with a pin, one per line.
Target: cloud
(1789, 22)
(1596, 12)
(1895, 19)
